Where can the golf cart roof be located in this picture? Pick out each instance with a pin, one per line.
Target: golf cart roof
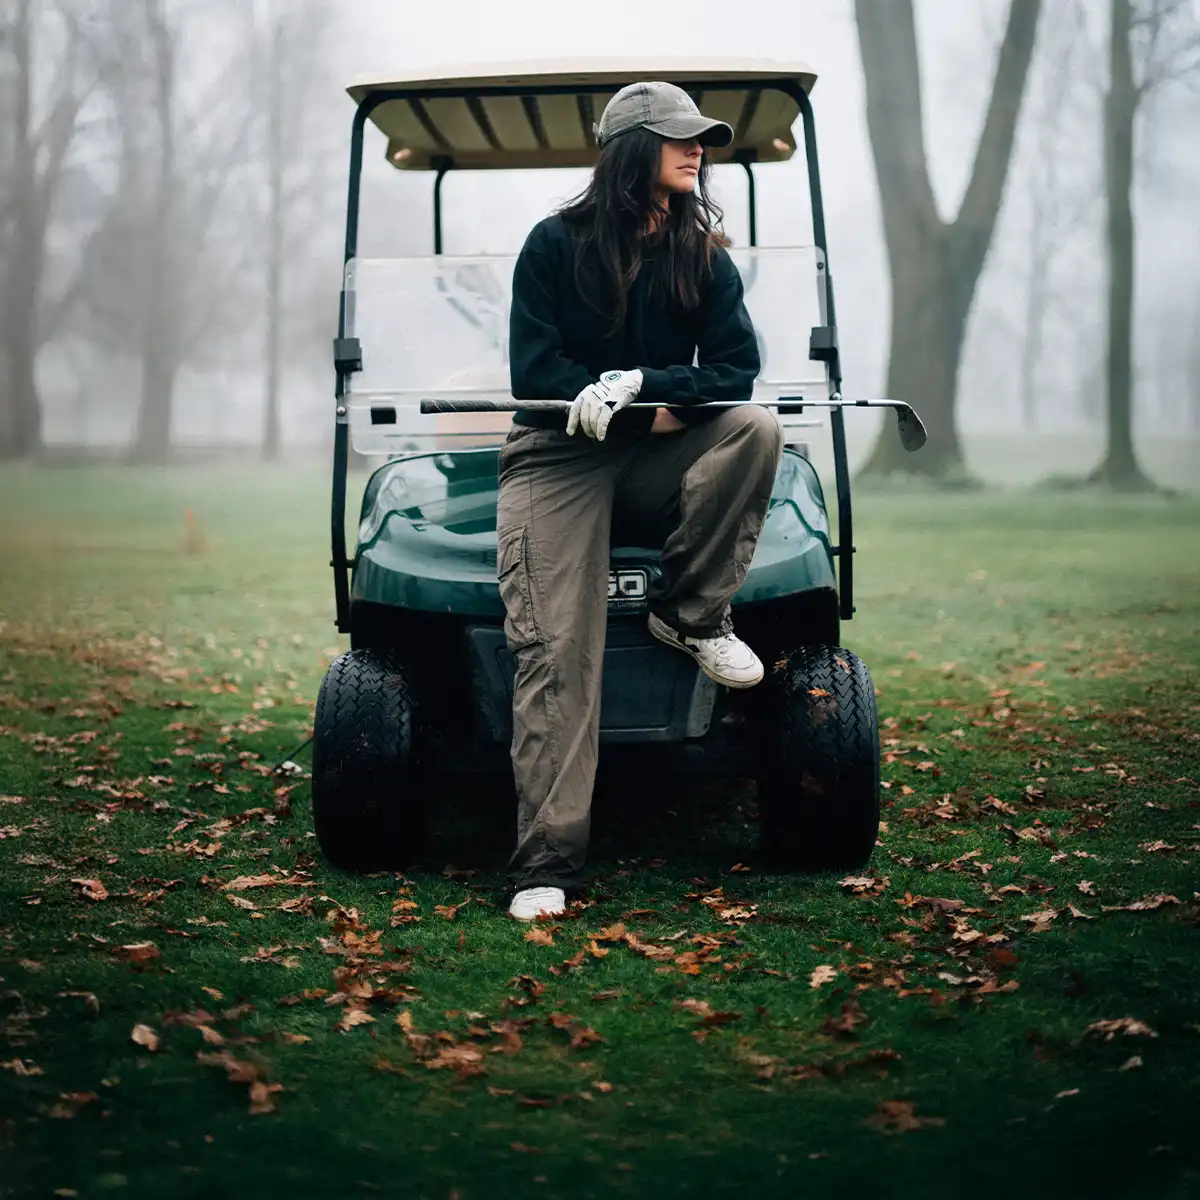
(452, 121)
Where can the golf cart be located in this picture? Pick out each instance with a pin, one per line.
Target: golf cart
(426, 688)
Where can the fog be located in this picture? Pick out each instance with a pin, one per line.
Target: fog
(91, 371)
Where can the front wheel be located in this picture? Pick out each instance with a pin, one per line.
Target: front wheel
(818, 785)
(368, 807)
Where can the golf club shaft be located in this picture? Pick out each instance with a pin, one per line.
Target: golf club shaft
(490, 404)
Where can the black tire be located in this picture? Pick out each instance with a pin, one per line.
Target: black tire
(818, 786)
(368, 808)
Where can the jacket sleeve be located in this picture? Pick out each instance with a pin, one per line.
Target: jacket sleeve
(726, 348)
(539, 367)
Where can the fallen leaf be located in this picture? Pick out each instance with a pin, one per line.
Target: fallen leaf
(262, 1097)
(1134, 1060)
(1065, 1093)
(698, 1008)
(899, 1116)
(143, 1035)
(90, 1002)
(848, 1021)
(242, 902)
(244, 882)
(822, 974)
(352, 1017)
(137, 952)
(293, 1039)
(1145, 904)
(1123, 1025)
(450, 911)
(539, 936)
(92, 889)
(21, 1066)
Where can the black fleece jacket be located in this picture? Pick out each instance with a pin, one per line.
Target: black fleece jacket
(559, 342)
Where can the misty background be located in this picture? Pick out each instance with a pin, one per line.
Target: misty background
(173, 178)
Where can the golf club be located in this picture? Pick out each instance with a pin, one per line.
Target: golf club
(908, 424)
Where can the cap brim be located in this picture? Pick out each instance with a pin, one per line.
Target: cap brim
(683, 128)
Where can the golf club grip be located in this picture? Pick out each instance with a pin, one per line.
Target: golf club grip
(489, 404)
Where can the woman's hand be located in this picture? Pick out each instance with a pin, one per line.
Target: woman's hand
(666, 421)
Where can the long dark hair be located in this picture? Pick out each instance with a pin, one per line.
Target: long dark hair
(614, 214)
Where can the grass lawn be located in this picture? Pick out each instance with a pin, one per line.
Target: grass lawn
(193, 1005)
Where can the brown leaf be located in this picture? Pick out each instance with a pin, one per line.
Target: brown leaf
(1123, 1025)
(613, 933)
(539, 936)
(245, 882)
(353, 1016)
(607, 994)
(698, 1008)
(242, 902)
(821, 975)
(595, 950)
(210, 1035)
(1134, 1060)
(143, 1035)
(262, 1097)
(237, 1070)
(465, 1060)
(1145, 904)
(92, 889)
(300, 997)
(137, 952)
(1040, 921)
(532, 988)
(22, 1066)
(450, 911)
(899, 1116)
(89, 1000)
(847, 1023)
(293, 1039)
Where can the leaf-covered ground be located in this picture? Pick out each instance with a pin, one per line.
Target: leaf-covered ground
(1005, 1001)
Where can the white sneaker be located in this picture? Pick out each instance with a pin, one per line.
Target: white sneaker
(723, 657)
(537, 902)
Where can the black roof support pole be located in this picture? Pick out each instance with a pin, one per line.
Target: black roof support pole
(746, 158)
(443, 165)
(341, 430)
(837, 424)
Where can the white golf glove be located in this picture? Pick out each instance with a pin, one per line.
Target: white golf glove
(593, 408)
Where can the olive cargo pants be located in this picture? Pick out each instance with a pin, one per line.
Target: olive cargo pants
(704, 491)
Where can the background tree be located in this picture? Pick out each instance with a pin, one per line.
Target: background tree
(37, 144)
(1151, 43)
(291, 33)
(935, 264)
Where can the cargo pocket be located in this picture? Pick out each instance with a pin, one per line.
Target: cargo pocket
(516, 590)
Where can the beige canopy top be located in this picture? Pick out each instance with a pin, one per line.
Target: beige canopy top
(522, 130)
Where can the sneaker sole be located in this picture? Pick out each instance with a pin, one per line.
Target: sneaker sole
(661, 630)
(542, 912)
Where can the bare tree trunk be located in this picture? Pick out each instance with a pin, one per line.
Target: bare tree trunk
(272, 430)
(21, 432)
(1120, 467)
(160, 332)
(935, 265)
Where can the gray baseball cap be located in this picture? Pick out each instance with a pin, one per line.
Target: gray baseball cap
(662, 108)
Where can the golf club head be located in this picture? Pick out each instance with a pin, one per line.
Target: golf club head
(909, 427)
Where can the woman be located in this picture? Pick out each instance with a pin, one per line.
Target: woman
(627, 293)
